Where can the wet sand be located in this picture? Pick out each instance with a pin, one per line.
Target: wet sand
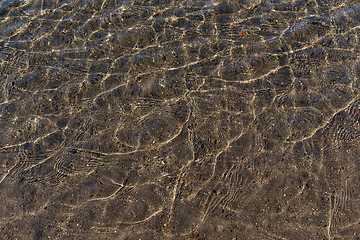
(179, 120)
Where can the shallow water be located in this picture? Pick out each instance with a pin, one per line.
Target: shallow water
(179, 119)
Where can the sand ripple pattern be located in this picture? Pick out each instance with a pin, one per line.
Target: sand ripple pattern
(179, 119)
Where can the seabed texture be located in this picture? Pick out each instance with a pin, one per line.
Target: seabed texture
(189, 120)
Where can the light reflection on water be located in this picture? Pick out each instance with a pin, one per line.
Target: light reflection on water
(179, 119)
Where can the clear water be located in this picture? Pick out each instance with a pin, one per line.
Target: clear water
(179, 119)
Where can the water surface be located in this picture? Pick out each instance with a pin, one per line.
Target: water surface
(179, 119)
